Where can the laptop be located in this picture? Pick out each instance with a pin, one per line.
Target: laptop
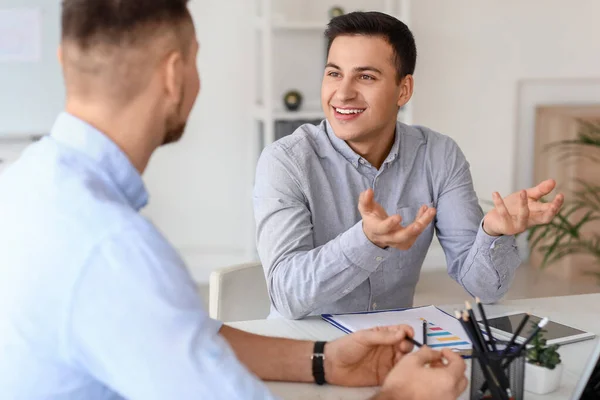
(588, 387)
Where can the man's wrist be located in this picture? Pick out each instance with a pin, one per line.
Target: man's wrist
(373, 240)
(488, 231)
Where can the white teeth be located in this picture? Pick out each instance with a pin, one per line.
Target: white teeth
(348, 111)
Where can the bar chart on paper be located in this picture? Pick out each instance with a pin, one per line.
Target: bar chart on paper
(443, 330)
(438, 337)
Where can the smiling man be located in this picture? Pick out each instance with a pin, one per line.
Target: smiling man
(323, 254)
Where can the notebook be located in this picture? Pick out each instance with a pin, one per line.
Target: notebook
(444, 331)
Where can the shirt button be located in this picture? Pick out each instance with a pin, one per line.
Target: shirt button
(361, 161)
(346, 291)
(379, 258)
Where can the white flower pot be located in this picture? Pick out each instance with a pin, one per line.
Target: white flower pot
(541, 380)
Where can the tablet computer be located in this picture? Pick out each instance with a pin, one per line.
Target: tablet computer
(504, 326)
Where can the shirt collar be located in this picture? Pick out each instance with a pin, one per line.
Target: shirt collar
(346, 151)
(79, 135)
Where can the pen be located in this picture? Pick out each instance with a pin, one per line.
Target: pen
(486, 324)
(413, 341)
(473, 322)
(516, 334)
(538, 328)
(424, 332)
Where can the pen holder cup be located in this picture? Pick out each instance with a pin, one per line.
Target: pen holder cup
(511, 376)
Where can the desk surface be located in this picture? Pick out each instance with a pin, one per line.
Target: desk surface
(581, 312)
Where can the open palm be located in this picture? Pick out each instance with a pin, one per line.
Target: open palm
(521, 210)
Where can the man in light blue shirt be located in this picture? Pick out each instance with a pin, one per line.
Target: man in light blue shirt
(323, 254)
(94, 302)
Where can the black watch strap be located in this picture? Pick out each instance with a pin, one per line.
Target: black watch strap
(318, 359)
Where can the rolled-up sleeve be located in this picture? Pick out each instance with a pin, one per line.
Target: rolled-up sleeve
(301, 277)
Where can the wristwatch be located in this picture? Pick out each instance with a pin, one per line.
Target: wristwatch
(318, 357)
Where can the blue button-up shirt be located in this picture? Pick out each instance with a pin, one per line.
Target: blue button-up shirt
(310, 238)
(94, 303)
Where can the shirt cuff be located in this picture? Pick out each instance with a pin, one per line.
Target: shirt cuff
(360, 250)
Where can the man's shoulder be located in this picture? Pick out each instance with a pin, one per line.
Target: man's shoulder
(301, 144)
(71, 198)
(436, 148)
(429, 137)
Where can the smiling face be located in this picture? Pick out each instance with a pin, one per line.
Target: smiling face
(361, 93)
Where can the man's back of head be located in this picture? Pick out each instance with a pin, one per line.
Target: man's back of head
(109, 45)
(132, 63)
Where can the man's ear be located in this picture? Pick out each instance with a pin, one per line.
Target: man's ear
(406, 90)
(173, 77)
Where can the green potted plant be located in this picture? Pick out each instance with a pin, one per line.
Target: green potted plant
(565, 234)
(543, 369)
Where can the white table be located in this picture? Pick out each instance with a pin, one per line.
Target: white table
(581, 312)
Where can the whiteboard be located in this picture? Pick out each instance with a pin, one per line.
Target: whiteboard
(31, 90)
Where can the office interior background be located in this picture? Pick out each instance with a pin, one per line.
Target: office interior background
(503, 78)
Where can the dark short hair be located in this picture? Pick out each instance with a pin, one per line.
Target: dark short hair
(373, 23)
(117, 22)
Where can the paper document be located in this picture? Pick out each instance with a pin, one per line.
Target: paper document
(444, 331)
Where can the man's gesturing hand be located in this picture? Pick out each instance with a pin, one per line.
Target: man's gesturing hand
(386, 231)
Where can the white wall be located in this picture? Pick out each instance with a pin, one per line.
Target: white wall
(200, 187)
(472, 54)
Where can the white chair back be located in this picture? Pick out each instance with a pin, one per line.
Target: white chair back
(238, 293)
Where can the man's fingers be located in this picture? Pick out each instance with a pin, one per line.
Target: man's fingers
(558, 201)
(455, 362)
(523, 213)
(500, 206)
(426, 217)
(556, 204)
(365, 201)
(543, 213)
(413, 230)
(368, 206)
(421, 211)
(386, 335)
(392, 233)
(405, 347)
(542, 189)
(554, 208)
(427, 355)
(388, 225)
